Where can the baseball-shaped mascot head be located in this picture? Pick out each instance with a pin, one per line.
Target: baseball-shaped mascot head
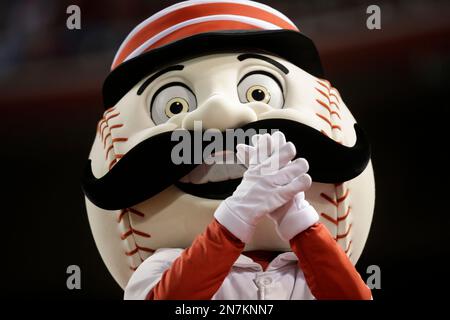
(220, 65)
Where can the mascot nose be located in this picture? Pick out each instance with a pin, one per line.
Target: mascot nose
(219, 113)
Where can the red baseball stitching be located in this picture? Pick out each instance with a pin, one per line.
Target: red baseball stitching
(108, 148)
(327, 106)
(335, 202)
(328, 85)
(136, 212)
(131, 231)
(130, 210)
(334, 95)
(112, 144)
(106, 137)
(107, 151)
(323, 84)
(331, 112)
(119, 125)
(108, 111)
(116, 126)
(345, 234)
(332, 126)
(336, 114)
(105, 132)
(105, 121)
(339, 219)
(331, 104)
(330, 94)
(323, 93)
(137, 249)
(112, 163)
(349, 246)
(103, 118)
(323, 104)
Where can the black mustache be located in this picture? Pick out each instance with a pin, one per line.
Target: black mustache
(148, 169)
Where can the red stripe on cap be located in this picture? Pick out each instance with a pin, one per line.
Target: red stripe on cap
(195, 11)
(202, 27)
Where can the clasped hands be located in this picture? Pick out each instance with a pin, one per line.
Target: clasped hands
(273, 185)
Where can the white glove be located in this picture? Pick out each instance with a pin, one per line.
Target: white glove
(271, 180)
(296, 215)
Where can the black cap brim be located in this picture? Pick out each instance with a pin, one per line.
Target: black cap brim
(290, 45)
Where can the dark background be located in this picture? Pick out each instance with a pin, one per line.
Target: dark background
(395, 81)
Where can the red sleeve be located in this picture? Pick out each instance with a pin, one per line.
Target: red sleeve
(328, 271)
(199, 271)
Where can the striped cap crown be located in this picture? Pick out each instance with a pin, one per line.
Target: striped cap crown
(193, 17)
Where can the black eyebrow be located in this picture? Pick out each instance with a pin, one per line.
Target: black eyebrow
(156, 75)
(245, 56)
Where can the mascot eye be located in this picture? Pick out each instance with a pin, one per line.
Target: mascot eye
(258, 93)
(261, 86)
(175, 106)
(171, 99)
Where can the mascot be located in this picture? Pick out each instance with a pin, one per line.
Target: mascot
(287, 220)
